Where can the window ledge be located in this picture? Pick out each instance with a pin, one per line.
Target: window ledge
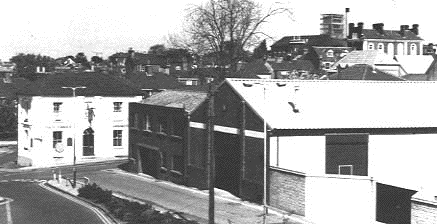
(176, 172)
(162, 133)
(147, 131)
(176, 137)
(163, 169)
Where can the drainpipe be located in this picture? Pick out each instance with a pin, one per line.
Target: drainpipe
(188, 146)
(243, 145)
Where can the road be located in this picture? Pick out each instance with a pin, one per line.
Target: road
(35, 205)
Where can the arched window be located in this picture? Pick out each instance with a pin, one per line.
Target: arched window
(381, 47)
(371, 46)
(330, 53)
(390, 49)
(413, 50)
(400, 49)
(88, 142)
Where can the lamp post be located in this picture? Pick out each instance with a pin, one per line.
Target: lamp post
(73, 88)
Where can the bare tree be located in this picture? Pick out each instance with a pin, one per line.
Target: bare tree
(225, 28)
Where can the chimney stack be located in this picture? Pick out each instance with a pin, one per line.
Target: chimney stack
(360, 29)
(379, 27)
(351, 30)
(415, 29)
(403, 28)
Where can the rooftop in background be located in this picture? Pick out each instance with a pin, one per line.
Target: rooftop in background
(416, 64)
(364, 72)
(154, 81)
(368, 57)
(189, 100)
(98, 84)
(339, 104)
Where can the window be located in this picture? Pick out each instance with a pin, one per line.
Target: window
(345, 169)
(370, 46)
(117, 106)
(117, 137)
(136, 121)
(413, 49)
(330, 53)
(57, 138)
(381, 47)
(163, 125)
(57, 107)
(69, 141)
(164, 162)
(400, 49)
(178, 163)
(146, 123)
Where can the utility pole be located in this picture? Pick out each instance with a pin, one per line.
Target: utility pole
(211, 154)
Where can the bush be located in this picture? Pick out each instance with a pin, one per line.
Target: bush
(128, 211)
(95, 193)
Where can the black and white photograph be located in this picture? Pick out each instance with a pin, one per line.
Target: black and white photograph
(218, 111)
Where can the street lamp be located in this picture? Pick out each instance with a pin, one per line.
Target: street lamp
(73, 88)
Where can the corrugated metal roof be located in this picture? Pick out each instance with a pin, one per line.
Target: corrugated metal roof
(415, 64)
(328, 104)
(189, 100)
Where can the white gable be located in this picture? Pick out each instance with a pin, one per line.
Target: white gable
(415, 64)
(325, 104)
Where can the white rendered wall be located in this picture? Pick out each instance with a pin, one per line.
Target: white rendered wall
(298, 153)
(404, 160)
(72, 120)
(340, 200)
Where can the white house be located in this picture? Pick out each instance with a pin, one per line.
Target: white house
(346, 151)
(53, 126)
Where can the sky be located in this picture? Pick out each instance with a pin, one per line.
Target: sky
(104, 27)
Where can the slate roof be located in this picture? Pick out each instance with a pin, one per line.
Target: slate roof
(190, 100)
(312, 40)
(336, 104)
(389, 34)
(364, 72)
(254, 68)
(98, 84)
(149, 59)
(416, 64)
(369, 57)
(156, 81)
(305, 65)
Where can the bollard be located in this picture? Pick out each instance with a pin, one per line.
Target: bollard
(59, 176)
(5, 211)
(54, 174)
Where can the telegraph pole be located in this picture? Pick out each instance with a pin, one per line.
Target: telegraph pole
(211, 154)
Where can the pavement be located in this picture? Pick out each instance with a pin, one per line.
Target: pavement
(192, 203)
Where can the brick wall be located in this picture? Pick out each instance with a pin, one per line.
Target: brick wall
(423, 212)
(287, 191)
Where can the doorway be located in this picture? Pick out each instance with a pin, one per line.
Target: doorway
(150, 161)
(88, 142)
(227, 162)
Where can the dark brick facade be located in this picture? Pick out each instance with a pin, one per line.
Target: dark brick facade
(287, 191)
(169, 147)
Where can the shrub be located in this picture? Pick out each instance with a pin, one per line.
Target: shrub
(128, 211)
